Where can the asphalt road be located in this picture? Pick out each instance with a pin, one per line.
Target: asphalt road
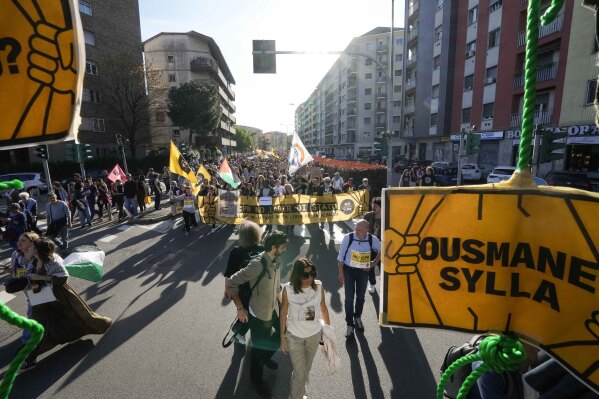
(164, 292)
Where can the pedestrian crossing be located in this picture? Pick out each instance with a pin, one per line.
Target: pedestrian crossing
(5, 297)
(303, 232)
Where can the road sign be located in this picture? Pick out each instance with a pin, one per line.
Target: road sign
(42, 61)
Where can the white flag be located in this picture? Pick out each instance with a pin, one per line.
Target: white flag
(298, 155)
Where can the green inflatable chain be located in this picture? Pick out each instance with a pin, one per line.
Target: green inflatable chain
(8, 185)
(505, 353)
(37, 333)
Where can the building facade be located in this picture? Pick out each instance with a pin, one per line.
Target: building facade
(181, 58)
(110, 28)
(276, 140)
(255, 133)
(349, 108)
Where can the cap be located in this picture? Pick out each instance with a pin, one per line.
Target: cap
(336, 173)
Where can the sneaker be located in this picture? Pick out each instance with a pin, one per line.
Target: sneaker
(186, 233)
(371, 288)
(349, 333)
(359, 324)
(261, 389)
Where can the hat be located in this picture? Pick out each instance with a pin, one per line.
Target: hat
(336, 173)
(326, 180)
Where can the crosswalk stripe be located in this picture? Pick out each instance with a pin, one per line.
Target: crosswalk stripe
(107, 238)
(5, 297)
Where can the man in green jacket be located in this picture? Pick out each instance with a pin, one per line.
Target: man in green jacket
(263, 273)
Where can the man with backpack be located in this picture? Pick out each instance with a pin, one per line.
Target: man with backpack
(356, 258)
(263, 273)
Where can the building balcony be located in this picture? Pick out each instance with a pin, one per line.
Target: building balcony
(380, 125)
(542, 117)
(381, 49)
(412, 61)
(381, 79)
(410, 84)
(351, 137)
(413, 33)
(413, 8)
(381, 110)
(351, 100)
(410, 108)
(381, 96)
(351, 72)
(351, 83)
(544, 30)
(544, 73)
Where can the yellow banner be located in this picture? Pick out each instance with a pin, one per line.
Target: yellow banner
(231, 208)
(497, 258)
(42, 61)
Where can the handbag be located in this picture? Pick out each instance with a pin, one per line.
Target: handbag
(237, 328)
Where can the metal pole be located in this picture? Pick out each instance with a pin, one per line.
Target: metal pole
(390, 103)
(404, 56)
(47, 174)
(81, 164)
(459, 179)
(535, 151)
(119, 141)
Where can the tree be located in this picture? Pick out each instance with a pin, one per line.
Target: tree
(243, 138)
(195, 106)
(131, 90)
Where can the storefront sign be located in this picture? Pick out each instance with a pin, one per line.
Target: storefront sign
(583, 140)
(573, 130)
(484, 136)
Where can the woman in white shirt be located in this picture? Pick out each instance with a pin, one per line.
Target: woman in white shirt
(302, 307)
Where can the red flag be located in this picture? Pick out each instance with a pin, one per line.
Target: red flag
(117, 173)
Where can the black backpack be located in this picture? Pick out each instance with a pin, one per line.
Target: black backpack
(454, 383)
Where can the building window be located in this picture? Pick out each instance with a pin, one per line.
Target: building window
(396, 119)
(434, 119)
(398, 72)
(368, 76)
(435, 92)
(591, 90)
(468, 82)
(494, 38)
(91, 96)
(438, 32)
(367, 121)
(494, 5)
(399, 42)
(89, 37)
(176, 133)
(366, 135)
(367, 105)
(491, 75)
(91, 67)
(160, 116)
(398, 57)
(471, 49)
(172, 77)
(488, 110)
(437, 62)
(397, 89)
(473, 15)
(85, 7)
(368, 61)
(98, 125)
(396, 104)
(466, 115)
(170, 58)
(367, 92)
(369, 46)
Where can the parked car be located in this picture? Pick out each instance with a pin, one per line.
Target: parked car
(440, 163)
(35, 183)
(569, 179)
(500, 173)
(471, 171)
(446, 175)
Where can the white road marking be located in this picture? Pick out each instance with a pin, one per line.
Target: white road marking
(124, 227)
(107, 238)
(160, 227)
(5, 297)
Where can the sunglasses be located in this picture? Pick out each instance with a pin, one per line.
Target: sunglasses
(307, 275)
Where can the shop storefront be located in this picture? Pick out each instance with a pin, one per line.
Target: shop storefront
(488, 155)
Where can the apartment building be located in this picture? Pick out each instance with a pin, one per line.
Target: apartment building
(110, 27)
(429, 67)
(255, 133)
(276, 140)
(350, 105)
(183, 57)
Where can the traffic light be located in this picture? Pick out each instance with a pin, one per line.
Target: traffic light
(264, 63)
(42, 151)
(472, 143)
(86, 151)
(71, 152)
(184, 149)
(549, 145)
(380, 145)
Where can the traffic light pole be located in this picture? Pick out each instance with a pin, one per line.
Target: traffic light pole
(460, 154)
(119, 141)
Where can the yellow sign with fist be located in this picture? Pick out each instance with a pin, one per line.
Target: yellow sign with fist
(42, 59)
(509, 257)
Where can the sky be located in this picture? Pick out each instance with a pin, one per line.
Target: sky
(268, 101)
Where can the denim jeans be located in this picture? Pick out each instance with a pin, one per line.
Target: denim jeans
(356, 281)
(131, 205)
(84, 215)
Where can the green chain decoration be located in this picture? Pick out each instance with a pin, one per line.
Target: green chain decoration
(499, 353)
(530, 75)
(37, 333)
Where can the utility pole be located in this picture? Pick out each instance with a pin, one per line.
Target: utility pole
(390, 101)
(460, 154)
(119, 141)
(42, 152)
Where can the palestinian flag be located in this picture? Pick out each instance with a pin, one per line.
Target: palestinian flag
(227, 174)
(86, 262)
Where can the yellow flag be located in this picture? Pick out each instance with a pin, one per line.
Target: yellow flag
(179, 165)
(204, 172)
